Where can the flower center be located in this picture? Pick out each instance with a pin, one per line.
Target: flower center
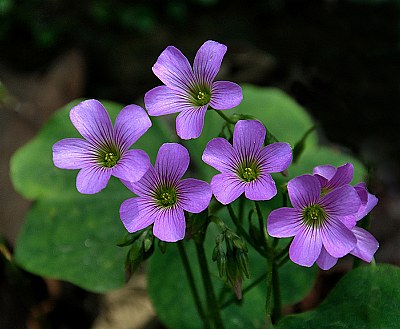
(108, 156)
(166, 197)
(110, 159)
(314, 215)
(248, 171)
(201, 95)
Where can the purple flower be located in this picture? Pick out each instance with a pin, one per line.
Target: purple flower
(321, 224)
(191, 91)
(163, 196)
(105, 150)
(332, 178)
(246, 166)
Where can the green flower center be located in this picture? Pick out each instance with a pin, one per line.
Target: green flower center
(201, 95)
(109, 157)
(166, 197)
(314, 215)
(248, 171)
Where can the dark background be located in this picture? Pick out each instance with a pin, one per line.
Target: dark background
(339, 59)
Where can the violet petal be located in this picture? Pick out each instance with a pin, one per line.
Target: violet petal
(92, 121)
(189, 123)
(163, 100)
(304, 191)
(132, 165)
(225, 95)
(227, 187)
(207, 61)
(93, 179)
(262, 188)
(131, 123)
(284, 222)
(194, 195)
(172, 161)
(173, 69)
(137, 214)
(72, 153)
(170, 225)
(219, 154)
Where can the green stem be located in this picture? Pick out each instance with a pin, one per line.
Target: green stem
(263, 229)
(268, 304)
(242, 231)
(189, 275)
(212, 305)
(226, 118)
(277, 293)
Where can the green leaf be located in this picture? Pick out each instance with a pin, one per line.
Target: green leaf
(367, 297)
(68, 235)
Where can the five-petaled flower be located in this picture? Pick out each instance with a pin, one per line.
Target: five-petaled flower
(163, 196)
(191, 91)
(105, 149)
(320, 223)
(246, 165)
(331, 178)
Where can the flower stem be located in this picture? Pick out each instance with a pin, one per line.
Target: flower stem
(242, 231)
(277, 312)
(189, 275)
(212, 305)
(225, 117)
(263, 229)
(268, 304)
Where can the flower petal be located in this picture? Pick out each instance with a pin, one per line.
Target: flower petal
(326, 171)
(93, 179)
(276, 157)
(170, 225)
(368, 204)
(306, 247)
(284, 222)
(147, 185)
(163, 100)
(208, 61)
(343, 176)
(92, 121)
(137, 213)
(262, 188)
(248, 137)
(131, 123)
(304, 191)
(189, 123)
(194, 195)
(341, 201)
(366, 245)
(173, 69)
(225, 95)
(226, 187)
(72, 153)
(219, 154)
(325, 261)
(132, 165)
(172, 162)
(338, 240)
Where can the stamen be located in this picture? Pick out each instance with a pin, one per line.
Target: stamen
(314, 215)
(110, 159)
(166, 197)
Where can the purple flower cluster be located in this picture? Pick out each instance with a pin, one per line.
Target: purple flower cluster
(323, 218)
(325, 208)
